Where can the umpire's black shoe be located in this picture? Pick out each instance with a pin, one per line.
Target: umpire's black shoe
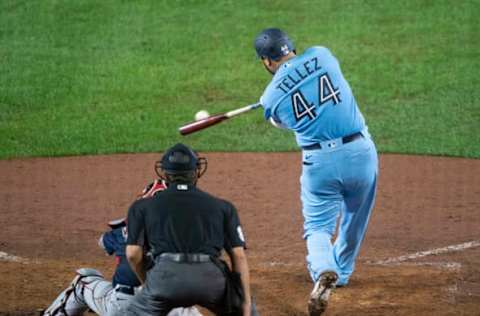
(321, 292)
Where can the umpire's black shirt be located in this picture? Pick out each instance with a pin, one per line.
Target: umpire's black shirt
(184, 219)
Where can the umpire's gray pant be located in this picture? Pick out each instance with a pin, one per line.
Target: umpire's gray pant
(173, 284)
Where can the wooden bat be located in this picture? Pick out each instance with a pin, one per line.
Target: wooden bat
(196, 126)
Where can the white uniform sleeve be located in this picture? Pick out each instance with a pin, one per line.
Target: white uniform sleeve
(101, 244)
(276, 124)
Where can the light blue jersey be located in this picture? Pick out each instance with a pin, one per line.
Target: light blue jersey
(309, 95)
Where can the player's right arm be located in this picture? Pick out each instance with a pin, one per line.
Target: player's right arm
(134, 255)
(136, 240)
(134, 250)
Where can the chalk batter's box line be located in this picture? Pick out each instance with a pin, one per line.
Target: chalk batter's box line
(10, 258)
(390, 261)
(402, 260)
(431, 252)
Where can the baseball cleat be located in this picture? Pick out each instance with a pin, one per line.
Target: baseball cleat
(321, 292)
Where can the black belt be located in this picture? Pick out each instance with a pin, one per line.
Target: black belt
(346, 139)
(125, 289)
(186, 257)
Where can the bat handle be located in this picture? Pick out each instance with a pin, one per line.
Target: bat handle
(242, 110)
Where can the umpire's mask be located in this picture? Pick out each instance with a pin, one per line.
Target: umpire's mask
(181, 164)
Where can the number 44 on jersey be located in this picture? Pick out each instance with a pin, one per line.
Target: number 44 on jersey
(301, 106)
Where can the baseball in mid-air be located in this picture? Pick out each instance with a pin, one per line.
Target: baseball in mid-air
(200, 115)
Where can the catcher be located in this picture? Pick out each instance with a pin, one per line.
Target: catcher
(90, 290)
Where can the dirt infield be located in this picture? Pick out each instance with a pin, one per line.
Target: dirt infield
(421, 255)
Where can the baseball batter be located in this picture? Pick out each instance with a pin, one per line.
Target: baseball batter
(90, 290)
(309, 95)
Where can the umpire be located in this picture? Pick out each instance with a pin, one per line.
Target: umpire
(185, 229)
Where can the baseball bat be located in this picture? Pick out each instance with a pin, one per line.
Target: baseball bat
(196, 126)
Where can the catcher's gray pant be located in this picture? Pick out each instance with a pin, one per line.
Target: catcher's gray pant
(90, 290)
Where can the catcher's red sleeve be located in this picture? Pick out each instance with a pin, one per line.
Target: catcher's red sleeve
(152, 188)
(149, 191)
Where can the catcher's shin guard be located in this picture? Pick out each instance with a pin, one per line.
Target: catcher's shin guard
(70, 302)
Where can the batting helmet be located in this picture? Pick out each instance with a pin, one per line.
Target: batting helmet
(273, 43)
(180, 160)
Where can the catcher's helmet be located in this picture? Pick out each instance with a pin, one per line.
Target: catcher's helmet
(273, 43)
(181, 160)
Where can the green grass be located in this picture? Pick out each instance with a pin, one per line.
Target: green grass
(81, 77)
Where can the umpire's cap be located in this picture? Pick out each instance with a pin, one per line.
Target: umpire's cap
(179, 159)
(273, 43)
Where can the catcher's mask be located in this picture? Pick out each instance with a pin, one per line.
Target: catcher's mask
(181, 164)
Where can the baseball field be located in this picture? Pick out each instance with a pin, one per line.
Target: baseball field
(92, 92)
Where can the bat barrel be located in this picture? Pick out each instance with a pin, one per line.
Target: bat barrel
(201, 124)
(195, 126)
